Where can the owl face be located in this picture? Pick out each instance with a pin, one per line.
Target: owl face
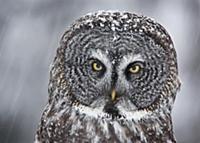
(115, 70)
(114, 79)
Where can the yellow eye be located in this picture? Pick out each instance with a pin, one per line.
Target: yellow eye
(97, 66)
(135, 69)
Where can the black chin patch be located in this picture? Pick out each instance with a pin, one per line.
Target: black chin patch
(112, 110)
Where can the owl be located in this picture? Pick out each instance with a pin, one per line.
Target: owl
(114, 79)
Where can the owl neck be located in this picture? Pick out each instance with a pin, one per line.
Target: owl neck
(143, 126)
(79, 124)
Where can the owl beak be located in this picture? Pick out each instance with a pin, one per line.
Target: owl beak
(113, 95)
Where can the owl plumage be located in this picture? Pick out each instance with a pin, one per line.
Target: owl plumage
(114, 79)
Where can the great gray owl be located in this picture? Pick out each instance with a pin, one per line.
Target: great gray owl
(114, 80)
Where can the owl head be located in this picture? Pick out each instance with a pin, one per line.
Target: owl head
(116, 62)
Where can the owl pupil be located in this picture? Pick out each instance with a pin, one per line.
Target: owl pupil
(98, 65)
(134, 68)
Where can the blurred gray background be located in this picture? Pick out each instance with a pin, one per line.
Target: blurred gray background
(30, 31)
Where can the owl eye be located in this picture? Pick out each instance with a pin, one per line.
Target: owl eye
(134, 68)
(97, 66)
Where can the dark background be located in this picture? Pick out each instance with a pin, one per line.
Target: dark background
(30, 31)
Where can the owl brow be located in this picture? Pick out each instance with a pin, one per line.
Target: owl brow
(98, 54)
(130, 59)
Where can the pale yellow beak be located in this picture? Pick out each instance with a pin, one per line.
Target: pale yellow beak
(113, 95)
